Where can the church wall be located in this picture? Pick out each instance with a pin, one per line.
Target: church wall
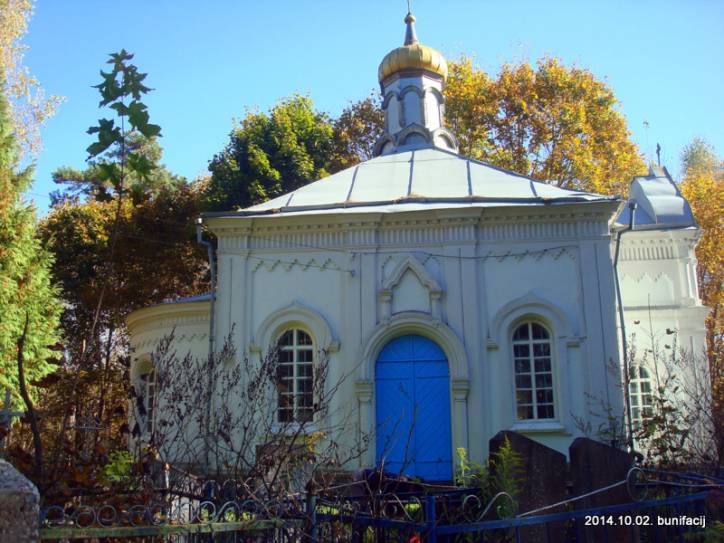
(657, 272)
(433, 269)
(189, 324)
(663, 313)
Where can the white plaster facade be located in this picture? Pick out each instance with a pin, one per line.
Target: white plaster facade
(422, 241)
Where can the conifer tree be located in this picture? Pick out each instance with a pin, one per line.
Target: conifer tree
(26, 290)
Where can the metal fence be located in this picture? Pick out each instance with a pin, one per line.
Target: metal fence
(664, 507)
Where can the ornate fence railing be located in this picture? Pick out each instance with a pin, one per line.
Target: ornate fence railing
(664, 507)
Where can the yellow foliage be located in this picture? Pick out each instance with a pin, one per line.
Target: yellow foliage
(551, 122)
(29, 104)
(703, 187)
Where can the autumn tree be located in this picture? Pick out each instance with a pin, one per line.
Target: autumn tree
(551, 122)
(703, 187)
(28, 105)
(355, 132)
(554, 123)
(269, 154)
(122, 233)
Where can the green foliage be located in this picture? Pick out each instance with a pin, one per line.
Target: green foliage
(470, 474)
(123, 154)
(506, 475)
(119, 467)
(26, 289)
(502, 474)
(94, 182)
(123, 237)
(555, 123)
(270, 154)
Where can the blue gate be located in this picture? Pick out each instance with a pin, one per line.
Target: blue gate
(412, 406)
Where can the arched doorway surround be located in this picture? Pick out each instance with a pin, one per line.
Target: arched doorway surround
(413, 323)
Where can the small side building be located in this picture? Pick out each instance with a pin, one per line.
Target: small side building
(664, 317)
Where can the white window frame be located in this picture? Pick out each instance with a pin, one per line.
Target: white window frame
(296, 377)
(532, 373)
(640, 408)
(148, 391)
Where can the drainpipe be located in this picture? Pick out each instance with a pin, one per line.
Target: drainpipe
(212, 270)
(624, 343)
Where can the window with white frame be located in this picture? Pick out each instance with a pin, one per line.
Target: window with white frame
(295, 377)
(148, 393)
(533, 372)
(639, 389)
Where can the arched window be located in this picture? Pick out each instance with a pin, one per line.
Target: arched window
(533, 372)
(148, 398)
(295, 382)
(639, 389)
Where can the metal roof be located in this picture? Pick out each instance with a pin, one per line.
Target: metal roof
(659, 203)
(425, 177)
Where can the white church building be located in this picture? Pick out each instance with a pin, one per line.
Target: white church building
(456, 298)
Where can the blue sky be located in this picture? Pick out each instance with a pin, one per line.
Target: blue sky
(208, 61)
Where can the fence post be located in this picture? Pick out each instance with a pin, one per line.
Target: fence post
(312, 516)
(430, 519)
(19, 506)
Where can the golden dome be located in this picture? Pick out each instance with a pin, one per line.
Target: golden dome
(412, 56)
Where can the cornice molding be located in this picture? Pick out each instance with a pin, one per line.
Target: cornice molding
(412, 228)
(168, 315)
(153, 340)
(658, 244)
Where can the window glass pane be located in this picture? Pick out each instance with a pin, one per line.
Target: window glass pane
(646, 386)
(521, 351)
(286, 356)
(303, 338)
(544, 380)
(545, 411)
(522, 381)
(525, 412)
(285, 415)
(305, 355)
(541, 349)
(523, 396)
(304, 415)
(539, 332)
(287, 338)
(305, 400)
(521, 333)
(543, 364)
(544, 396)
(522, 366)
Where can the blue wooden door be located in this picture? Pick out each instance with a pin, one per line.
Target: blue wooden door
(412, 406)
